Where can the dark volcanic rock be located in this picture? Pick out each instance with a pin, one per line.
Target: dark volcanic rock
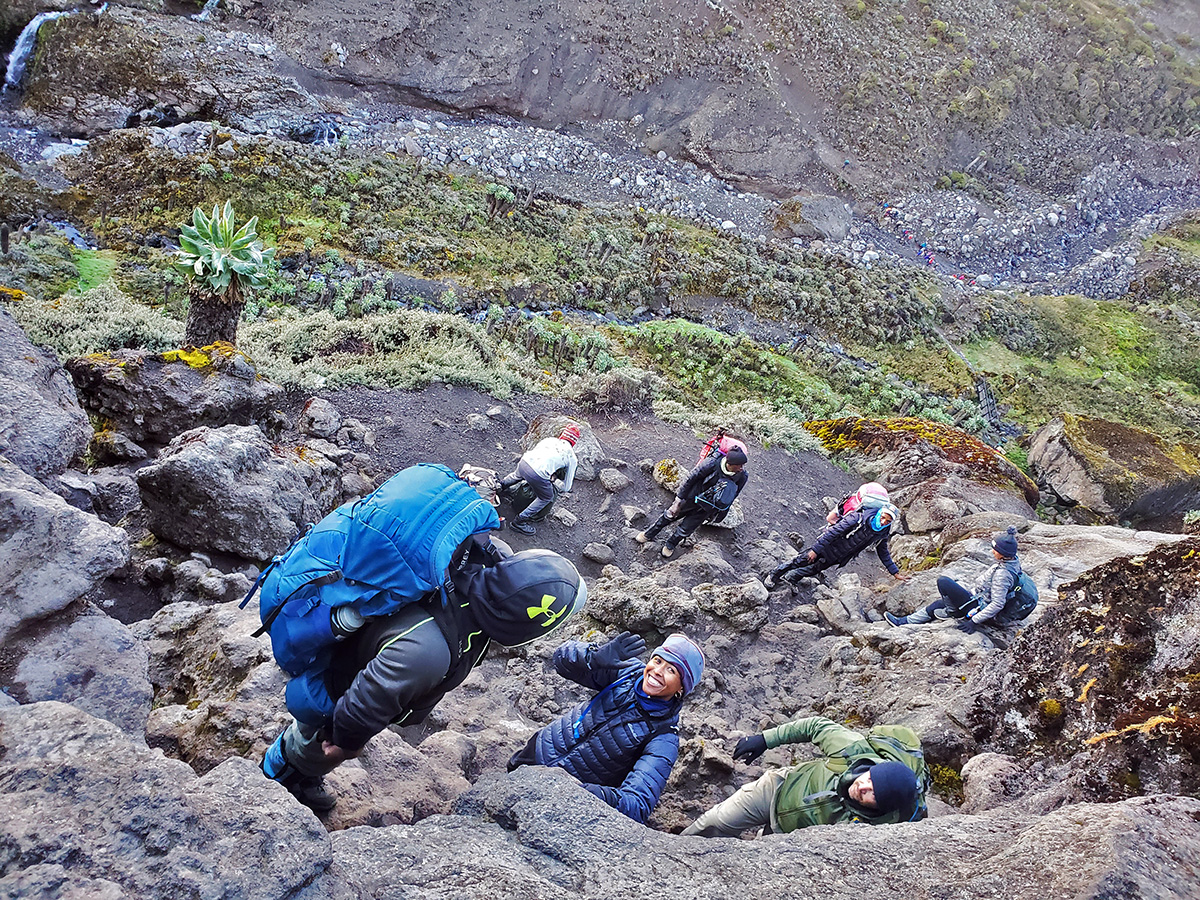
(230, 489)
(535, 833)
(1111, 472)
(51, 553)
(148, 396)
(85, 805)
(1107, 678)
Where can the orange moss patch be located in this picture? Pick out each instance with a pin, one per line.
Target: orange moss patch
(869, 437)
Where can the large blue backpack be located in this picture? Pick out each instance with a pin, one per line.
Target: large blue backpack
(377, 555)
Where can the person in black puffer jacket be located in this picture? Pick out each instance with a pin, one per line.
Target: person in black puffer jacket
(622, 743)
(841, 542)
(706, 495)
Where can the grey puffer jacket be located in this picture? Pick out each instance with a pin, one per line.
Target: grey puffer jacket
(991, 590)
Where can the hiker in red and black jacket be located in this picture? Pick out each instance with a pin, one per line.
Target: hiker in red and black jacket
(840, 543)
(706, 495)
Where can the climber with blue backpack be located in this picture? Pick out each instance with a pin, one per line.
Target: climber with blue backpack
(386, 605)
(706, 495)
(877, 778)
(621, 744)
(1003, 594)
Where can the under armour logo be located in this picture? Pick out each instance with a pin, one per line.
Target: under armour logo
(551, 616)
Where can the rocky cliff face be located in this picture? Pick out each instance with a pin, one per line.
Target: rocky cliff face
(825, 97)
(127, 754)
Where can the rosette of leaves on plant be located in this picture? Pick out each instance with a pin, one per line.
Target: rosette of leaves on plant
(224, 263)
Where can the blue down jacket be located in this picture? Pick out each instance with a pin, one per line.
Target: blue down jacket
(621, 744)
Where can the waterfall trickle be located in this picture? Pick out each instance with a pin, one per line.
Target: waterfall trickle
(24, 48)
(209, 7)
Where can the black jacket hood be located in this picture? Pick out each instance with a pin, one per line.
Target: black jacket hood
(523, 597)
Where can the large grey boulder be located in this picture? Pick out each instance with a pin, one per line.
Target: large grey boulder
(535, 833)
(89, 808)
(93, 663)
(42, 426)
(50, 553)
(232, 490)
(1111, 472)
(154, 397)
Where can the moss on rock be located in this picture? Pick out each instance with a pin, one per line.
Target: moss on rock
(869, 437)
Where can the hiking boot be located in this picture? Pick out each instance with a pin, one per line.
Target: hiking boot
(895, 621)
(641, 537)
(313, 794)
(769, 581)
(523, 525)
(944, 613)
(668, 551)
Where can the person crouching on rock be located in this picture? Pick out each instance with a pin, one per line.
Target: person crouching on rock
(840, 543)
(537, 469)
(852, 782)
(706, 495)
(622, 743)
(396, 669)
(984, 605)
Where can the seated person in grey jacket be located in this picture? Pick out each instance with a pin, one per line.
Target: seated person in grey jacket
(622, 743)
(985, 604)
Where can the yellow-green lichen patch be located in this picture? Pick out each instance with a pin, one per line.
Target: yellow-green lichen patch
(1138, 452)
(878, 436)
(205, 359)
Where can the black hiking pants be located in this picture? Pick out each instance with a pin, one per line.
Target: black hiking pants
(689, 518)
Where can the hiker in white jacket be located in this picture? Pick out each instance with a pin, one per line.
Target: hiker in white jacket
(538, 467)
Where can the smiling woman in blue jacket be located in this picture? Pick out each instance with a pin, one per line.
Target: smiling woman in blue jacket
(622, 743)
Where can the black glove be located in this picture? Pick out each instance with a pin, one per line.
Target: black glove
(624, 646)
(966, 626)
(749, 749)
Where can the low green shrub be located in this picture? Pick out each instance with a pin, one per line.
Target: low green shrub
(98, 321)
(402, 349)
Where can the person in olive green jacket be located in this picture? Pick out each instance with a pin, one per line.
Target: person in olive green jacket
(852, 782)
